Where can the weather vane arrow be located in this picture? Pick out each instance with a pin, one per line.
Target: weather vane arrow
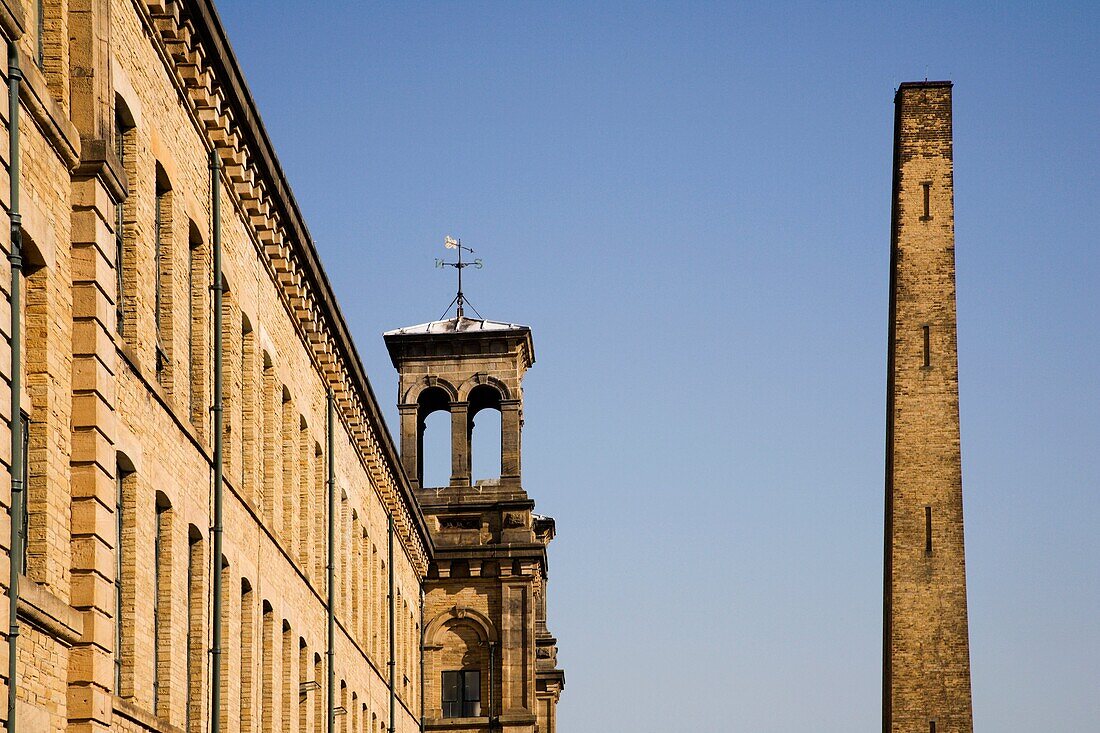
(451, 243)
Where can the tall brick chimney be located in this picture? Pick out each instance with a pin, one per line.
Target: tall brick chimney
(926, 653)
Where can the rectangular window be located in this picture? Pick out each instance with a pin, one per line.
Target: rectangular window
(927, 186)
(462, 694)
(926, 333)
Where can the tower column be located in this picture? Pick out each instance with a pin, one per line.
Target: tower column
(460, 444)
(926, 658)
(410, 442)
(510, 425)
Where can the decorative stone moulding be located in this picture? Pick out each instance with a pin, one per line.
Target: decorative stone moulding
(173, 26)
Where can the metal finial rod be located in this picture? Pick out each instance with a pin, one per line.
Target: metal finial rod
(459, 299)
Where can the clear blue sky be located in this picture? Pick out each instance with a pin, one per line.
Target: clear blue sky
(690, 206)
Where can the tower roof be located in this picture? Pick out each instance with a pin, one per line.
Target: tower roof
(456, 325)
(448, 335)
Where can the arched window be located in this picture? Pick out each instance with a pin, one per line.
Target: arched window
(485, 442)
(196, 603)
(162, 603)
(163, 261)
(124, 151)
(198, 287)
(248, 645)
(464, 659)
(433, 411)
(125, 490)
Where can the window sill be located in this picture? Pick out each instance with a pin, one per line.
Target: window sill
(44, 610)
(125, 708)
(456, 723)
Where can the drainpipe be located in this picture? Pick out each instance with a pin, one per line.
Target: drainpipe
(18, 503)
(421, 659)
(216, 246)
(330, 564)
(393, 662)
(492, 663)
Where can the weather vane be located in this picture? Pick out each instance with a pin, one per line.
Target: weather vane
(451, 243)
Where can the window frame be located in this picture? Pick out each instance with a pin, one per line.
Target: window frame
(467, 682)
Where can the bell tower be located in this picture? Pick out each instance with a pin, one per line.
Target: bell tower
(461, 366)
(490, 663)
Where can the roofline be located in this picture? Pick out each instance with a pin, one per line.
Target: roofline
(523, 332)
(906, 85)
(248, 118)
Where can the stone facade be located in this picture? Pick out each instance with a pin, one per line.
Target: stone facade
(926, 659)
(122, 105)
(485, 595)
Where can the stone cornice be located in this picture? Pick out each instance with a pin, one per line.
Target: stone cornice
(195, 49)
(11, 19)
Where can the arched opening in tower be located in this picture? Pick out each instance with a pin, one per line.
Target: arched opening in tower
(485, 433)
(434, 438)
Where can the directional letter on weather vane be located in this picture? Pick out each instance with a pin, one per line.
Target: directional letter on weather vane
(451, 243)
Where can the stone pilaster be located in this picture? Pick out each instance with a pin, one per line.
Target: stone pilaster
(96, 187)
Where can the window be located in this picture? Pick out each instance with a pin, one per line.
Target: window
(120, 287)
(928, 530)
(462, 694)
(162, 605)
(291, 425)
(305, 686)
(268, 430)
(288, 671)
(247, 645)
(250, 412)
(267, 682)
(162, 285)
(319, 698)
(196, 654)
(927, 334)
(40, 51)
(120, 481)
(198, 285)
(125, 246)
(927, 186)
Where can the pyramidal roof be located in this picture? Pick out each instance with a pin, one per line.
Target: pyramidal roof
(456, 325)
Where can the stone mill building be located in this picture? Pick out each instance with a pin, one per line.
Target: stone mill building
(209, 527)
